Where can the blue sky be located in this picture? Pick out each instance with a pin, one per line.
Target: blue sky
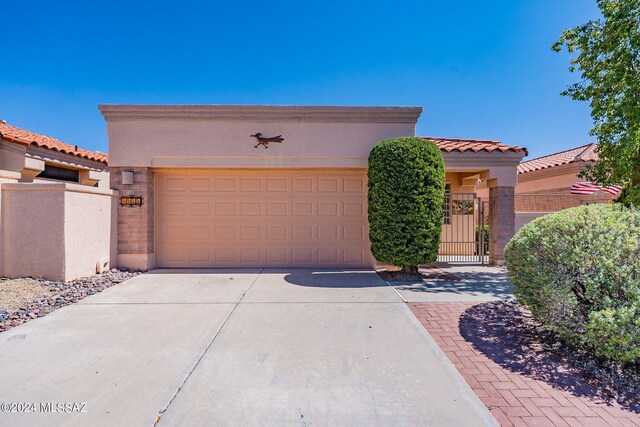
(480, 69)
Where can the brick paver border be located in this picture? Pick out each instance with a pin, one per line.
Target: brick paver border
(515, 393)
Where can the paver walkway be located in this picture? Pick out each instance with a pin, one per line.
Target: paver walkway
(521, 387)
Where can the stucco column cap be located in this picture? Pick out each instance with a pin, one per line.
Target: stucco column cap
(56, 186)
(262, 113)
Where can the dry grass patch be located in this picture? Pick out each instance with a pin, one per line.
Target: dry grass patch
(19, 293)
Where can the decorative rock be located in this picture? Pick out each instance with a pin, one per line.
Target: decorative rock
(62, 294)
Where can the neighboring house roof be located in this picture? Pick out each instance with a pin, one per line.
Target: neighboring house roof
(24, 137)
(584, 153)
(475, 145)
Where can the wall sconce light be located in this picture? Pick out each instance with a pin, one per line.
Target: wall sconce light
(131, 201)
(127, 177)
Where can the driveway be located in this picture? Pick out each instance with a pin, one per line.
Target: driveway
(243, 347)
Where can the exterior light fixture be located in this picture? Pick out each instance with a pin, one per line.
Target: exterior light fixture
(131, 201)
(127, 177)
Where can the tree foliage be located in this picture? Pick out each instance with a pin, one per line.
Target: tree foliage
(406, 197)
(607, 56)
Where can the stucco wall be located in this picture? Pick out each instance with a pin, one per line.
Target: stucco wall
(33, 230)
(523, 218)
(11, 163)
(219, 136)
(557, 179)
(6, 177)
(56, 231)
(87, 231)
(11, 157)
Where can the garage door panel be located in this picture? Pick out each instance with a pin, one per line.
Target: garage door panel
(329, 208)
(251, 232)
(200, 208)
(328, 185)
(200, 184)
(303, 185)
(250, 256)
(303, 208)
(280, 208)
(354, 185)
(265, 257)
(354, 255)
(262, 218)
(357, 209)
(277, 185)
(251, 208)
(173, 255)
(175, 183)
(225, 232)
(177, 232)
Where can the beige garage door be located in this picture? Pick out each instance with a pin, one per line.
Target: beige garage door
(262, 218)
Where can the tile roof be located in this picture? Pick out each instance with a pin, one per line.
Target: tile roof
(584, 153)
(475, 145)
(24, 137)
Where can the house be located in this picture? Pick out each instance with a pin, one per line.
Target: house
(205, 186)
(555, 173)
(55, 207)
(31, 157)
(544, 183)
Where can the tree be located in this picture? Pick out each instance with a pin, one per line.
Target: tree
(406, 197)
(608, 60)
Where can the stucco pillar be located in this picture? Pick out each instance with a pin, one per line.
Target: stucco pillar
(135, 224)
(501, 221)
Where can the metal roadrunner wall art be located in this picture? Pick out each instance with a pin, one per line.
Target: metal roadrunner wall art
(264, 141)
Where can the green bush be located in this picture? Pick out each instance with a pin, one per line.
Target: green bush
(630, 196)
(406, 197)
(482, 236)
(579, 272)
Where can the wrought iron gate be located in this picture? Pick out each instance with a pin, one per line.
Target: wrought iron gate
(464, 230)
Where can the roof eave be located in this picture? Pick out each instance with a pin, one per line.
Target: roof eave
(14, 140)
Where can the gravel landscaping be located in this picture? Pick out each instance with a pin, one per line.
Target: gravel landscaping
(25, 299)
(16, 293)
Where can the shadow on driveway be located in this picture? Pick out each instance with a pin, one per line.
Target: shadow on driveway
(317, 278)
(334, 278)
(494, 290)
(479, 282)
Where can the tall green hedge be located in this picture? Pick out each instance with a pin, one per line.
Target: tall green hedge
(406, 196)
(579, 272)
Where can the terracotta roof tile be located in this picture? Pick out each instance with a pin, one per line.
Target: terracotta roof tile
(475, 145)
(24, 137)
(584, 153)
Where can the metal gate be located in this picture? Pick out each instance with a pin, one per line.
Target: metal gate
(465, 233)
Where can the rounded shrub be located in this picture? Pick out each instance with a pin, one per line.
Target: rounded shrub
(406, 196)
(579, 272)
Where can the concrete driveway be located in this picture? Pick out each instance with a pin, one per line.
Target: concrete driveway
(472, 283)
(246, 347)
